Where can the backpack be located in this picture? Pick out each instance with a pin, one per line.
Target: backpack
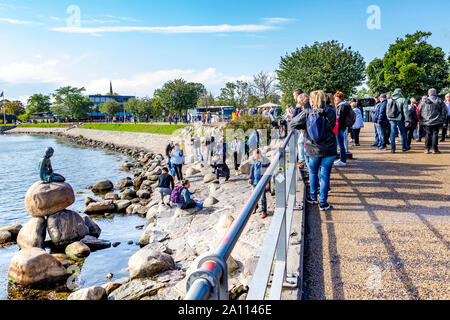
(315, 126)
(350, 119)
(176, 198)
(392, 109)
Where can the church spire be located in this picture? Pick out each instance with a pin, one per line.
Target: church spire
(110, 88)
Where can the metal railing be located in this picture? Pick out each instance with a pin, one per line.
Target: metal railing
(210, 281)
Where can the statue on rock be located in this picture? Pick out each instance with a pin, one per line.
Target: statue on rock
(46, 171)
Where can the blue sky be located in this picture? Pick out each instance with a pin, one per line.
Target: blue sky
(141, 44)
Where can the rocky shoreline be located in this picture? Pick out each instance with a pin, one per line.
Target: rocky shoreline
(173, 240)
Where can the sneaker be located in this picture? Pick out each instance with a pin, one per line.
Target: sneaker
(237, 173)
(436, 152)
(374, 145)
(382, 148)
(339, 163)
(310, 200)
(325, 207)
(427, 151)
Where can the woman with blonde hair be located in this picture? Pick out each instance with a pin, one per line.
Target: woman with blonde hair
(320, 146)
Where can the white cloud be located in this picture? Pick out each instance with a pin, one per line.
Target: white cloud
(21, 22)
(26, 72)
(11, 6)
(169, 29)
(279, 20)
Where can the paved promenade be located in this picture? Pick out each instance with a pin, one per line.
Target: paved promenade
(388, 236)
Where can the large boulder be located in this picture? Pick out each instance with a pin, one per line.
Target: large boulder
(122, 205)
(192, 172)
(92, 294)
(138, 181)
(95, 244)
(225, 221)
(111, 196)
(143, 194)
(210, 201)
(209, 178)
(151, 236)
(43, 200)
(127, 194)
(33, 267)
(66, 227)
(77, 250)
(106, 206)
(13, 229)
(5, 237)
(125, 182)
(32, 235)
(136, 290)
(103, 186)
(149, 262)
(245, 167)
(94, 229)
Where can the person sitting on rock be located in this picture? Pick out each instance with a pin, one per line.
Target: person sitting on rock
(46, 171)
(185, 196)
(220, 169)
(165, 184)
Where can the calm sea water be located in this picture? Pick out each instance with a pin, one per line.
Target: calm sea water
(19, 158)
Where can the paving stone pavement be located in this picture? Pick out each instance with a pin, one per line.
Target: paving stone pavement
(388, 234)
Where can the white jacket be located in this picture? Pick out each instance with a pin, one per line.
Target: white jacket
(359, 123)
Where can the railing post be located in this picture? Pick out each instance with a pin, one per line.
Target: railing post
(281, 188)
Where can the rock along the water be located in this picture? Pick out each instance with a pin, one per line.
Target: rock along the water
(43, 200)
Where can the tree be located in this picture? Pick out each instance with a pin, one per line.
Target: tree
(140, 107)
(324, 66)
(14, 108)
(411, 64)
(110, 107)
(363, 92)
(253, 101)
(69, 102)
(243, 92)
(38, 103)
(157, 108)
(227, 95)
(206, 99)
(264, 85)
(178, 95)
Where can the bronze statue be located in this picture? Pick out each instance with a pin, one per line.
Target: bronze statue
(46, 171)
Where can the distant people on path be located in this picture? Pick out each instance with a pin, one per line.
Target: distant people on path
(433, 112)
(197, 148)
(343, 111)
(253, 142)
(374, 120)
(165, 183)
(321, 145)
(210, 146)
(382, 122)
(238, 149)
(177, 159)
(359, 124)
(398, 116)
(413, 121)
(257, 171)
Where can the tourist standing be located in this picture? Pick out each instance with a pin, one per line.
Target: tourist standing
(165, 184)
(238, 149)
(382, 122)
(321, 149)
(253, 142)
(433, 112)
(343, 111)
(398, 116)
(197, 148)
(359, 124)
(447, 120)
(413, 121)
(257, 171)
(177, 159)
(374, 120)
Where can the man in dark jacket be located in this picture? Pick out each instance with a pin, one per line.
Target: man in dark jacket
(342, 111)
(413, 121)
(382, 122)
(374, 120)
(165, 183)
(433, 112)
(169, 149)
(398, 121)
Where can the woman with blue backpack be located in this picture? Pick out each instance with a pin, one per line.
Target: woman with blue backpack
(320, 145)
(177, 160)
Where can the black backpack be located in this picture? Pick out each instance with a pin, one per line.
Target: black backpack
(392, 109)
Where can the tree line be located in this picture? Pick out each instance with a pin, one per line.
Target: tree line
(411, 63)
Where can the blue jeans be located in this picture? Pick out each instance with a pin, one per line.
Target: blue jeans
(381, 136)
(324, 166)
(341, 141)
(263, 200)
(301, 148)
(401, 127)
(377, 135)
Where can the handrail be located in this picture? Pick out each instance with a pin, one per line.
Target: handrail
(210, 280)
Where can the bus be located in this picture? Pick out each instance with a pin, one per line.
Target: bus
(223, 112)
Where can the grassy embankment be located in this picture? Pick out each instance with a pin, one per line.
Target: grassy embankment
(44, 125)
(142, 128)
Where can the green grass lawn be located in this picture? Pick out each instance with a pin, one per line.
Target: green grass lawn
(143, 128)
